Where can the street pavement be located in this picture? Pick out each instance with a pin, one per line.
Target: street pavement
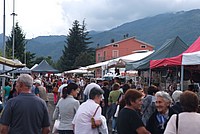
(51, 108)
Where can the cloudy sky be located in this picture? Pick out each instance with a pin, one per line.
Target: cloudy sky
(55, 17)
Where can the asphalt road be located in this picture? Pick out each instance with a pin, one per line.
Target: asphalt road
(51, 108)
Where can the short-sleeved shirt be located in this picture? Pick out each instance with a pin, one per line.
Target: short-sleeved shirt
(128, 121)
(43, 93)
(188, 123)
(82, 119)
(25, 114)
(61, 88)
(114, 96)
(7, 90)
(35, 90)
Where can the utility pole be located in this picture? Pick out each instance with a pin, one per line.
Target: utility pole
(4, 34)
(13, 31)
(4, 44)
(13, 39)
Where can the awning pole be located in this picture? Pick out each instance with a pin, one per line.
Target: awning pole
(182, 75)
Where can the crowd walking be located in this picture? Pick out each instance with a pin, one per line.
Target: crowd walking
(96, 107)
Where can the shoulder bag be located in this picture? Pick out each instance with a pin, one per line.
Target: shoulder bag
(93, 120)
(177, 117)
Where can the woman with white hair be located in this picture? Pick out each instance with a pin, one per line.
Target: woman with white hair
(158, 120)
(176, 98)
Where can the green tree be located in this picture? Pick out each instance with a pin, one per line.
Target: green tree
(19, 47)
(30, 63)
(77, 43)
(84, 37)
(84, 59)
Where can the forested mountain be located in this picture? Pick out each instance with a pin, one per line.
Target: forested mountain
(153, 30)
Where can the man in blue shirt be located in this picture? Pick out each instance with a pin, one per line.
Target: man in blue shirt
(26, 113)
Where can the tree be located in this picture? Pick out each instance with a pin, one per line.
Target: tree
(84, 59)
(29, 63)
(19, 46)
(77, 43)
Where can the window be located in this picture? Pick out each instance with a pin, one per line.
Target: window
(115, 45)
(99, 57)
(115, 53)
(143, 46)
(104, 55)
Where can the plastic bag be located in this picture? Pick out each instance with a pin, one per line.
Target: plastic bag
(55, 126)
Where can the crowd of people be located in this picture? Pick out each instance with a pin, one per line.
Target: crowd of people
(85, 106)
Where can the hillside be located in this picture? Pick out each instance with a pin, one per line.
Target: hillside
(157, 29)
(153, 30)
(47, 46)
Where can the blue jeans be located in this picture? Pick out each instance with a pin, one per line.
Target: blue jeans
(1, 107)
(114, 121)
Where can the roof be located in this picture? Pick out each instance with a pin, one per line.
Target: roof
(118, 42)
(10, 62)
(81, 70)
(44, 67)
(170, 48)
(24, 70)
(127, 58)
(193, 52)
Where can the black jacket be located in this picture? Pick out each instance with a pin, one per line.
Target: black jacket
(153, 125)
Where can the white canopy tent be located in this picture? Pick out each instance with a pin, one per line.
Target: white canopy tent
(127, 58)
(192, 58)
(135, 56)
(78, 71)
(97, 65)
(81, 70)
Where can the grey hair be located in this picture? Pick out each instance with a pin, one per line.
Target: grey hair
(164, 95)
(26, 79)
(176, 95)
(95, 91)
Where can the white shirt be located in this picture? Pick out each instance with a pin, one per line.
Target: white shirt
(188, 123)
(89, 87)
(81, 83)
(61, 88)
(82, 119)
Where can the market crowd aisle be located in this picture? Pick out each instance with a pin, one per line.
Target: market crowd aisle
(51, 108)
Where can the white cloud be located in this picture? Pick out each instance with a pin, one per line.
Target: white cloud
(55, 17)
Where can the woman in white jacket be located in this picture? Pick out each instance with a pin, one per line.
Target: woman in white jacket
(189, 120)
